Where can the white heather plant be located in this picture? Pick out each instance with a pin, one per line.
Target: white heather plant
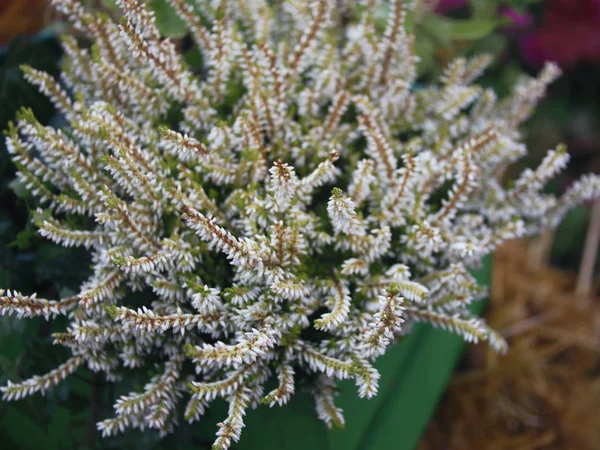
(289, 209)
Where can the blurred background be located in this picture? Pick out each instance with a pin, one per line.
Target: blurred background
(544, 394)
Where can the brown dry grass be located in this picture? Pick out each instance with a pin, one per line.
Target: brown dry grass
(545, 393)
(30, 16)
(21, 17)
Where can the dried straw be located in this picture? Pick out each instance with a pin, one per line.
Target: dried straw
(545, 393)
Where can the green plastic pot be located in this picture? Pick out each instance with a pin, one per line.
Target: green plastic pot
(414, 375)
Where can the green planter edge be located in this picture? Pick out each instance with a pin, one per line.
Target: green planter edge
(414, 375)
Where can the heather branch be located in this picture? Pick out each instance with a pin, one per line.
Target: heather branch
(13, 302)
(147, 321)
(41, 383)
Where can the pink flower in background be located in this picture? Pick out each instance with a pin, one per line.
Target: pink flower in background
(449, 5)
(519, 22)
(569, 34)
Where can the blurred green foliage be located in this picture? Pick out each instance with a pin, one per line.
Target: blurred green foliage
(28, 264)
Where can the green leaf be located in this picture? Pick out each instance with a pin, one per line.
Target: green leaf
(59, 426)
(24, 239)
(167, 20)
(194, 58)
(570, 237)
(9, 368)
(20, 428)
(471, 29)
(18, 187)
(110, 4)
(425, 49)
(437, 28)
(445, 29)
(483, 9)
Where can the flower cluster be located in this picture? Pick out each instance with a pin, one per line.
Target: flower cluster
(291, 206)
